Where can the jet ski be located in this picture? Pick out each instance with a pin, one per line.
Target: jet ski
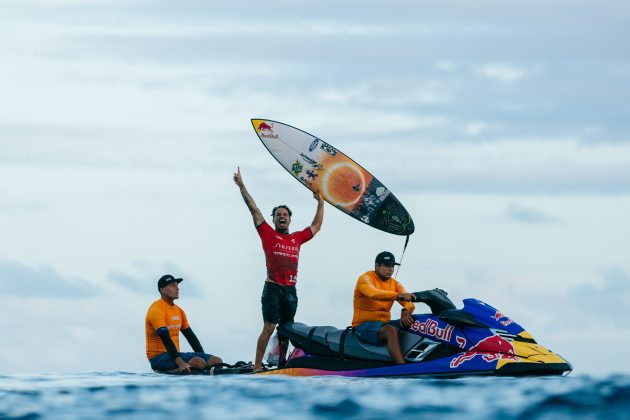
(449, 342)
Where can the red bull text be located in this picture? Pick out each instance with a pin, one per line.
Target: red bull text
(431, 328)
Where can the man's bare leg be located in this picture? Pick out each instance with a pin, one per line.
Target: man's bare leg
(197, 363)
(213, 361)
(389, 334)
(263, 340)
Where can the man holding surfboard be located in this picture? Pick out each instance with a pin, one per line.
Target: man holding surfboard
(279, 299)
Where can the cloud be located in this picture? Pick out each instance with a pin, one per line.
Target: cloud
(21, 280)
(503, 72)
(144, 280)
(550, 166)
(607, 301)
(127, 281)
(522, 214)
(476, 128)
(616, 279)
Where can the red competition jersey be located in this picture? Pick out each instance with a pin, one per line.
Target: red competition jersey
(282, 253)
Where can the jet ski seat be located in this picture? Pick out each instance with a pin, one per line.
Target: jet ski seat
(331, 341)
(310, 339)
(351, 346)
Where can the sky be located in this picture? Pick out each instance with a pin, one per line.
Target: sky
(502, 128)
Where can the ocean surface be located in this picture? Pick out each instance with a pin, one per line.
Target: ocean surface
(152, 396)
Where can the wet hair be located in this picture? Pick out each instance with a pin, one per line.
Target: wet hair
(281, 206)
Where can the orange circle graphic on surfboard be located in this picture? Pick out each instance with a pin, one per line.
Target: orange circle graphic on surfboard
(343, 184)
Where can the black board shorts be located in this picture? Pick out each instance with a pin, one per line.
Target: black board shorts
(279, 303)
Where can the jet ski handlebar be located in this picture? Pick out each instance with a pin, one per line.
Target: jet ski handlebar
(436, 299)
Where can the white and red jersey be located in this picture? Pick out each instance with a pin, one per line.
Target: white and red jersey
(282, 253)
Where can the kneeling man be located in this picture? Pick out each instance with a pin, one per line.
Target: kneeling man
(162, 325)
(374, 296)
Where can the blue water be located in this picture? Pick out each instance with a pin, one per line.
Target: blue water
(149, 396)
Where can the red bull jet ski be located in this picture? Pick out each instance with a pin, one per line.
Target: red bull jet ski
(475, 340)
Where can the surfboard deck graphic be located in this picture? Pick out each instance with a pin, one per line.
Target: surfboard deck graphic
(340, 180)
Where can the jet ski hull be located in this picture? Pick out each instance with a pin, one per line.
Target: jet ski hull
(449, 342)
(436, 368)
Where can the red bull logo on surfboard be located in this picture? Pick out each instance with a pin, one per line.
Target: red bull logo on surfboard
(263, 126)
(266, 130)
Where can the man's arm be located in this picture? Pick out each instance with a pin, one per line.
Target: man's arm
(405, 318)
(367, 289)
(172, 350)
(249, 201)
(405, 298)
(319, 214)
(192, 340)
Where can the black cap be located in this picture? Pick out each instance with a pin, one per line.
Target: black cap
(385, 258)
(166, 279)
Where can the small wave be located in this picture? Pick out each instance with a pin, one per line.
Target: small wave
(345, 407)
(608, 398)
(139, 395)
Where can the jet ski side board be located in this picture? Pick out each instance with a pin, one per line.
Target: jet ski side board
(475, 363)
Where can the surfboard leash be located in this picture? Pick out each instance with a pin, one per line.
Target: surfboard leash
(401, 257)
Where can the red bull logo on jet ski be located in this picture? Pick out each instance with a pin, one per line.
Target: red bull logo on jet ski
(499, 348)
(488, 357)
(498, 316)
(432, 328)
(461, 341)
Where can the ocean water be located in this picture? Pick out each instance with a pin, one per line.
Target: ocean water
(153, 396)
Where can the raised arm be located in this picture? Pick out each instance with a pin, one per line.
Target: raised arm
(249, 201)
(316, 225)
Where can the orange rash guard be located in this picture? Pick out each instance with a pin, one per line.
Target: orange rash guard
(161, 314)
(373, 298)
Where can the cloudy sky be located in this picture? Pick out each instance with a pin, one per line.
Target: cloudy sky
(503, 129)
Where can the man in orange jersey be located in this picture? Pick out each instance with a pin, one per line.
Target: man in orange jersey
(162, 325)
(374, 296)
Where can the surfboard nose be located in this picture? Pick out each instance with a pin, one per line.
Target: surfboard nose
(341, 181)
